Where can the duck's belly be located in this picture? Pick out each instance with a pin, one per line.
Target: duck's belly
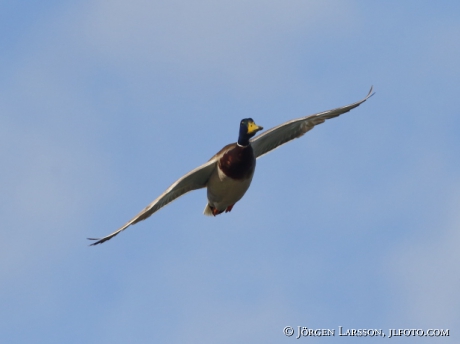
(224, 191)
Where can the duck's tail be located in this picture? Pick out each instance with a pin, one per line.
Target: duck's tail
(208, 210)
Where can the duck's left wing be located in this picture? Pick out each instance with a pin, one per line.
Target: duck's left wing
(195, 179)
(290, 130)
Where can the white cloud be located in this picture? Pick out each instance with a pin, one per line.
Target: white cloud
(52, 172)
(237, 41)
(426, 272)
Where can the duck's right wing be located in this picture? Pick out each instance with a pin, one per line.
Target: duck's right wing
(195, 179)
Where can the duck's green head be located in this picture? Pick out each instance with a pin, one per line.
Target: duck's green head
(247, 130)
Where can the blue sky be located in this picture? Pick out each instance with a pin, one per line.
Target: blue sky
(105, 104)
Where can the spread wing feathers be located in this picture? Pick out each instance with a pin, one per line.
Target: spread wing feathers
(193, 180)
(290, 130)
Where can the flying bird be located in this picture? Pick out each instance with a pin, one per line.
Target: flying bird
(228, 174)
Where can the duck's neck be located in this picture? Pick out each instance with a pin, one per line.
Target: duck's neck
(243, 138)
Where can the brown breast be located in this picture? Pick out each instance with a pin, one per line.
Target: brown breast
(238, 162)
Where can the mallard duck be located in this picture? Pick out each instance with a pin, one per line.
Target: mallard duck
(228, 174)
